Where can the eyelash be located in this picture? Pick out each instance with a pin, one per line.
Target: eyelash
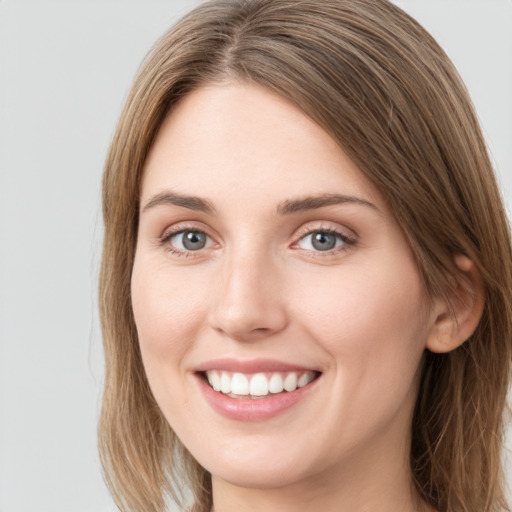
(347, 242)
(165, 240)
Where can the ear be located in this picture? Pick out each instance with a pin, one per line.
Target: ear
(457, 316)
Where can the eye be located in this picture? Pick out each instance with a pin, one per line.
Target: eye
(322, 240)
(189, 240)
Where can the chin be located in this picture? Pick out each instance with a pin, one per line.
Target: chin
(264, 465)
(250, 476)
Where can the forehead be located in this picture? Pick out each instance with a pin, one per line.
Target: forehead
(232, 138)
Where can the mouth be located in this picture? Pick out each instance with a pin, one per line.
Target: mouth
(254, 386)
(255, 390)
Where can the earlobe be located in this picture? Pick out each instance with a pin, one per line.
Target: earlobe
(458, 316)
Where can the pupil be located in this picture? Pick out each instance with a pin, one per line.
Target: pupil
(323, 241)
(192, 240)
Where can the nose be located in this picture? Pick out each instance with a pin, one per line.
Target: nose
(248, 303)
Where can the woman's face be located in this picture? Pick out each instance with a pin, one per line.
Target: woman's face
(265, 259)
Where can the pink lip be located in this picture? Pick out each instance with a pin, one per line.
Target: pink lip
(248, 409)
(251, 366)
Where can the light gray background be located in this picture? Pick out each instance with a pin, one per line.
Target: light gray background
(65, 68)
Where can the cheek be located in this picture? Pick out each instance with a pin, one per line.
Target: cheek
(168, 312)
(372, 325)
(373, 321)
(168, 317)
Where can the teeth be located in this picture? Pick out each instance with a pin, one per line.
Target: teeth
(275, 384)
(214, 380)
(290, 382)
(225, 383)
(259, 384)
(305, 379)
(240, 384)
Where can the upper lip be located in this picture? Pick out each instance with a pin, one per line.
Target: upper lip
(251, 366)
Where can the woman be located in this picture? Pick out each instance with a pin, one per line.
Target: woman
(306, 281)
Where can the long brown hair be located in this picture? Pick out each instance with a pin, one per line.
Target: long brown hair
(379, 84)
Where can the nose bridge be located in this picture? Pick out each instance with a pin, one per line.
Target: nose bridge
(248, 302)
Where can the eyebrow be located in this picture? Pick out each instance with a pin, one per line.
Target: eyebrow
(319, 201)
(185, 201)
(287, 207)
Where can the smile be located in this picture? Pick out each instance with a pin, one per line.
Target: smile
(258, 385)
(255, 390)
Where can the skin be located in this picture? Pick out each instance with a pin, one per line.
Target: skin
(260, 289)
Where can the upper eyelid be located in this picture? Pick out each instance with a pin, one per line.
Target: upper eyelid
(304, 230)
(180, 227)
(331, 227)
(164, 240)
(347, 241)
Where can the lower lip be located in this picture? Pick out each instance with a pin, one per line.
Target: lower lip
(248, 409)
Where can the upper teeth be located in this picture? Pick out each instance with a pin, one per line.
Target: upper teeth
(258, 384)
